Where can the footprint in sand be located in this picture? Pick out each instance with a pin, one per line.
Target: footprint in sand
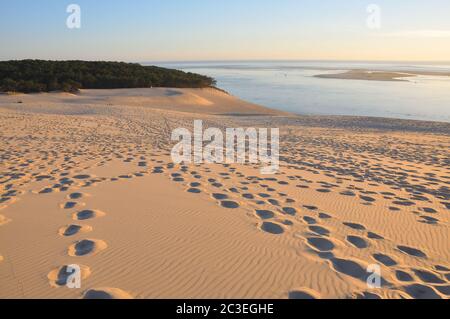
(367, 199)
(428, 210)
(106, 293)
(72, 230)
(404, 203)
(324, 216)
(445, 290)
(387, 194)
(272, 228)
(289, 211)
(303, 293)
(88, 214)
(418, 291)
(372, 235)
(75, 196)
(319, 230)
(126, 176)
(355, 226)
(142, 164)
(309, 220)
(265, 214)
(71, 205)
(82, 176)
(385, 260)
(412, 251)
(357, 241)
(229, 204)
(349, 268)
(428, 220)
(428, 277)
(287, 222)
(403, 276)
(320, 244)
(66, 181)
(219, 196)
(348, 193)
(46, 190)
(158, 170)
(441, 268)
(195, 184)
(194, 190)
(59, 276)
(274, 202)
(86, 247)
(365, 295)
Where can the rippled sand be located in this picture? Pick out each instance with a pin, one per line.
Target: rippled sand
(88, 180)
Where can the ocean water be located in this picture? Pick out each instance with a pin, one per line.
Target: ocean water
(291, 86)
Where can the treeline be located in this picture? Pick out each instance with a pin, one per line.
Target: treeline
(29, 76)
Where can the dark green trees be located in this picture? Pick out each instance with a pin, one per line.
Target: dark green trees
(43, 76)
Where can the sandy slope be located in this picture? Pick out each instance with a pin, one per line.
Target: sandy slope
(204, 101)
(87, 180)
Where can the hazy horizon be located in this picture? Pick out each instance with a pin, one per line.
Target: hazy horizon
(432, 62)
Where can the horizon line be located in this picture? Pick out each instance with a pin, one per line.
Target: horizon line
(238, 60)
(291, 60)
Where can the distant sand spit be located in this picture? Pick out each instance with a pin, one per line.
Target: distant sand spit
(368, 75)
(380, 75)
(88, 180)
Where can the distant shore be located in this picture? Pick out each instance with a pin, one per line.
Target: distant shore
(367, 75)
(370, 75)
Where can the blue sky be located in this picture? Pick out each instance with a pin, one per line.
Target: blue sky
(155, 30)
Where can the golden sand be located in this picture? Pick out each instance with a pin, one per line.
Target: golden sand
(88, 180)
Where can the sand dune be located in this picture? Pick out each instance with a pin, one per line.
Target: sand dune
(204, 101)
(88, 180)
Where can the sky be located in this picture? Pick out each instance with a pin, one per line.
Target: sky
(189, 30)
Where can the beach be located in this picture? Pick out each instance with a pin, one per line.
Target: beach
(87, 179)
